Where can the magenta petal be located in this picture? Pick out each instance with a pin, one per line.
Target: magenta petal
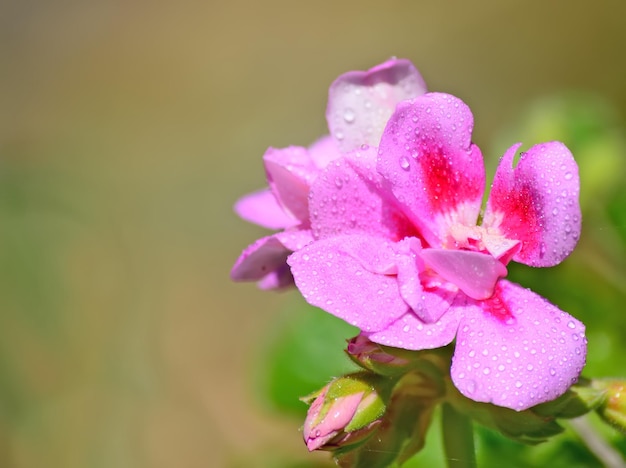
(262, 208)
(434, 170)
(346, 198)
(263, 257)
(537, 203)
(475, 273)
(359, 103)
(339, 275)
(290, 172)
(516, 349)
(409, 332)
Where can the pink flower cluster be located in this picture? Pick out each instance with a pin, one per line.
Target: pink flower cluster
(383, 227)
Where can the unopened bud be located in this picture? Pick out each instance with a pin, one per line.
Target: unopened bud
(613, 408)
(345, 411)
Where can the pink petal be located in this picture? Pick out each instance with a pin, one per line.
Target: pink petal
(516, 349)
(434, 170)
(323, 151)
(347, 198)
(359, 103)
(342, 275)
(262, 208)
(409, 264)
(263, 257)
(409, 332)
(290, 172)
(475, 273)
(295, 239)
(537, 203)
(318, 431)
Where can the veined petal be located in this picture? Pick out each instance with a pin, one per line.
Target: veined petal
(290, 172)
(409, 332)
(262, 208)
(260, 259)
(434, 170)
(536, 202)
(516, 349)
(359, 103)
(346, 198)
(351, 277)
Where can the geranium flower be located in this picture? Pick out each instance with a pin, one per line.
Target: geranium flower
(359, 105)
(402, 253)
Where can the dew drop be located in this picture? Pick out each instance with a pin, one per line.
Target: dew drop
(349, 115)
(571, 324)
(471, 387)
(518, 384)
(552, 371)
(568, 176)
(486, 371)
(404, 162)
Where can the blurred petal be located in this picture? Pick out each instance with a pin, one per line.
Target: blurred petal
(360, 103)
(346, 198)
(516, 349)
(351, 277)
(290, 172)
(434, 170)
(323, 151)
(262, 208)
(537, 203)
(259, 259)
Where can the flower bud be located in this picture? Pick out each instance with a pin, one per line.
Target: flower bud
(345, 411)
(394, 362)
(613, 408)
(376, 358)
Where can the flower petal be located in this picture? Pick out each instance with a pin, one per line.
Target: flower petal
(260, 259)
(342, 275)
(516, 349)
(435, 172)
(262, 208)
(290, 172)
(409, 332)
(475, 273)
(536, 202)
(323, 151)
(346, 198)
(359, 103)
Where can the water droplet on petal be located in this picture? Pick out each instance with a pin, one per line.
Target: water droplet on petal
(349, 116)
(568, 175)
(404, 162)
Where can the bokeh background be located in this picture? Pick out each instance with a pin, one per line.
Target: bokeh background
(129, 128)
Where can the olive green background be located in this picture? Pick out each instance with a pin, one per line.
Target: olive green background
(127, 131)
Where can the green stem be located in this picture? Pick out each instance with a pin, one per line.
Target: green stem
(458, 438)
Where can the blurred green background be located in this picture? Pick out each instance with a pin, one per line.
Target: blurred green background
(129, 128)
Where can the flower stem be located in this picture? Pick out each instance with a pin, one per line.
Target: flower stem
(458, 438)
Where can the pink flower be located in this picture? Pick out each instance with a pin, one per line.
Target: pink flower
(359, 105)
(400, 252)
